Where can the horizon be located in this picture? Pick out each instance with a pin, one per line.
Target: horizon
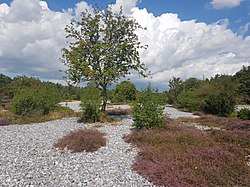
(185, 39)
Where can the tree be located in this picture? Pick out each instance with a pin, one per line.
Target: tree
(103, 48)
(243, 78)
(125, 91)
(4, 80)
(175, 85)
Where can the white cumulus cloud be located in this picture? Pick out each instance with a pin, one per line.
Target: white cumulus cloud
(32, 37)
(189, 48)
(220, 4)
(126, 5)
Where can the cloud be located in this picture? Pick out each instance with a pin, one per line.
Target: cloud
(189, 48)
(126, 5)
(220, 4)
(31, 37)
(31, 45)
(245, 28)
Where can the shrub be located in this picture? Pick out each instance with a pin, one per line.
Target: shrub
(34, 101)
(90, 102)
(244, 114)
(124, 92)
(147, 111)
(221, 104)
(88, 140)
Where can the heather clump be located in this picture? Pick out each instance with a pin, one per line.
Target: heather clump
(4, 122)
(177, 155)
(88, 140)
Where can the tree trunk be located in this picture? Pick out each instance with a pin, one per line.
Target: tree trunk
(104, 98)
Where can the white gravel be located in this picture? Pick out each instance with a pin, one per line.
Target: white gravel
(174, 113)
(74, 105)
(28, 158)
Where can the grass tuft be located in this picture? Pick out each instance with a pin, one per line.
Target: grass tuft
(88, 140)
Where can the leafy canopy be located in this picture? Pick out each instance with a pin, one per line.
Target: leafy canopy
(104, 47)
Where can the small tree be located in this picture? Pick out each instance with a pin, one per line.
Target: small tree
(175, 88)
(103, 48)
(91, 102)
(147, 111)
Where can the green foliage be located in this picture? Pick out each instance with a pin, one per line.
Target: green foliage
(222, 104)
(243, 78)
(105, 49)
(175, 88)
(217, 96)
(32, 101)
(244, 114)
(91, 102)
(147, 112)
(124, 92)
(187, 99)
(4, 80)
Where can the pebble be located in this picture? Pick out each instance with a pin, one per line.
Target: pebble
(28, 158)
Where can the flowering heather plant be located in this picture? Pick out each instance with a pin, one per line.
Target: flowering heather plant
(89, 140)
(3, 122)
(177, 155)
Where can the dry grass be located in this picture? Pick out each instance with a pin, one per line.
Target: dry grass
(56, 113)
(184, 156)
(88, 140)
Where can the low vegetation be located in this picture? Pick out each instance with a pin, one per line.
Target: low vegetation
(56, 112)
(88, 140)
(177, 155)
(217, 95)
(147, 112)
(244, 114)
(90, 103)
(119, 112)
(3, 122)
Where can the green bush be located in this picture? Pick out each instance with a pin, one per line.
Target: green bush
(221, 104)
(147, 111)
(187, 99)
(124, 92)
(90, 103)
(244, 114)
(34, 101)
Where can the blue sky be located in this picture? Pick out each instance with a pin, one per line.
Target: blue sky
(186, 38)
(200, 10)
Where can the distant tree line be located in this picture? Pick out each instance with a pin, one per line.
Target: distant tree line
(29, 96)
(217, 95)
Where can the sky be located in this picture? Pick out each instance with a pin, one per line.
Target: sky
(185, 38)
